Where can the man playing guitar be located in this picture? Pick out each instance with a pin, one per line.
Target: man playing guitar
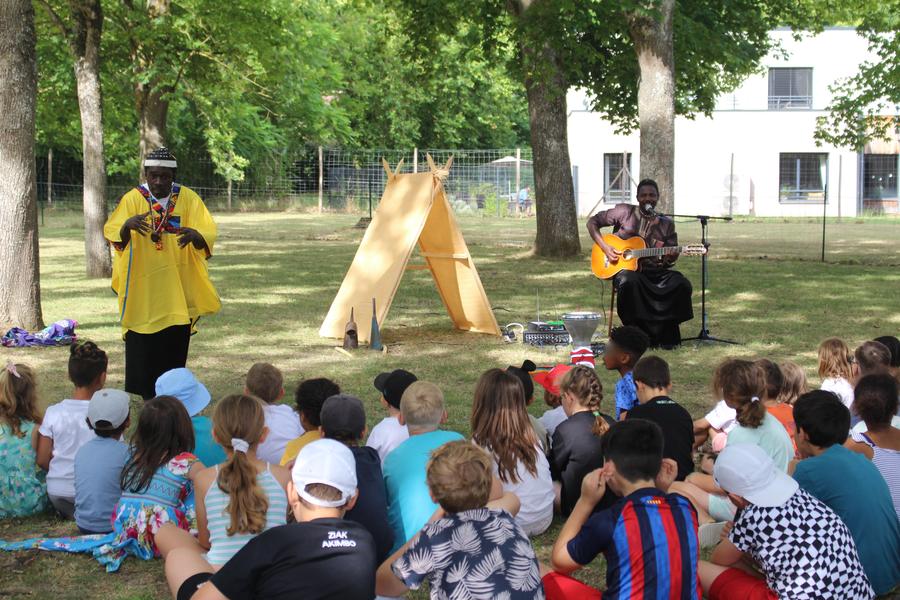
(655, 298)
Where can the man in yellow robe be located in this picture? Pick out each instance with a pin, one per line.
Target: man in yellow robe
(162, 235)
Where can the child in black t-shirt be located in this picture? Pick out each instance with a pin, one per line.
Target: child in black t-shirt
(322, 555)
(654, 384)
(344, 419)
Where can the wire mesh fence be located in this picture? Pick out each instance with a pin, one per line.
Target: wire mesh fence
(487, 183)
(337, 179)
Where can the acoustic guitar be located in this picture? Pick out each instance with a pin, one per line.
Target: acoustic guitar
(631, 250)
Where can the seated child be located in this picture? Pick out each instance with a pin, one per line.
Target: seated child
(22, 488)
(715, 426)
(893, 345)
(870, 358)
(835, 475)
(500, 426)
(322, 555)
(389, 433)
(549, 380)
(774, 383)
(65, 429)
(876, 404)
(99, 463)
(576, 449)
(266, 383)
(238, 499)
(794, 383)
(654, 384)
(309, 397)
(344, 419)
(471, 547)
(626, 346)
(801, 546)
(157, 481)
(649, 537)
(409, 502)
(523, 374)
(182, 384)
(743, 385)
(835, 369)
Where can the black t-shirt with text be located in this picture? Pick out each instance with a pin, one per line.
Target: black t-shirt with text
(677, 428)
(323, 558)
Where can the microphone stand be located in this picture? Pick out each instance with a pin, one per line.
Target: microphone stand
(704, 336)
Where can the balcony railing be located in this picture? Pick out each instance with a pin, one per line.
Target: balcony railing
(789, 102)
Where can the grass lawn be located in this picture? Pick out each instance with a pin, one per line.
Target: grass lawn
(278, 272)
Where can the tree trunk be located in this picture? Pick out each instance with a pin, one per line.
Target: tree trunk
(153, 111)
(653, 43)
(88, 25)
(557, 218)
(20, 300)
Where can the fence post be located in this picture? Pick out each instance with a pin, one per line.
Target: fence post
(321, 178)
(229, 195)
(49, 177)
(415, 160)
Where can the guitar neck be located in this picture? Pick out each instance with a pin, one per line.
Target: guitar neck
(644, 252)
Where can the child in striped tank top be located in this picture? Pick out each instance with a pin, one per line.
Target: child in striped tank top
(238, 499)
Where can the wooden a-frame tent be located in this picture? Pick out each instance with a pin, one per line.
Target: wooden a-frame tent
(413, 210)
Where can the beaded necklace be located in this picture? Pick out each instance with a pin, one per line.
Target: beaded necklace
(159, 215)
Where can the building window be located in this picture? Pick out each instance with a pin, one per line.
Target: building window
(802, 177)
(880, 176)
(790, 88)
(616, 181)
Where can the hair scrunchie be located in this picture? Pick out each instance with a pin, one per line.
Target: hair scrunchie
(240, 445)
(754, 399)
(596, 413)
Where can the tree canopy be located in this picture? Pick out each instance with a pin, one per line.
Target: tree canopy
(245, 79)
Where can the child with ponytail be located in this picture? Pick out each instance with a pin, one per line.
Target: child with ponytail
(22, 488)
(576, 450)
(501, 426)
(238, 499)
(742, 384)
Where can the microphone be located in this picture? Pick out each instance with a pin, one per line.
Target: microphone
(647, 209)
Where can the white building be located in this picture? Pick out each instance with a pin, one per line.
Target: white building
(756, 153)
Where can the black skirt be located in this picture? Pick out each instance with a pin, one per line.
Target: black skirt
(149, 355)
(656, 300)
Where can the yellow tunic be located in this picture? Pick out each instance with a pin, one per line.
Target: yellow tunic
(162, 288)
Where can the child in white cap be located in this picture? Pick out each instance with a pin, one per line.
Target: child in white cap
(800, 546)
(98, 464)
(322, 555)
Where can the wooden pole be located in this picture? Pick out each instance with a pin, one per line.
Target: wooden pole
(229, 195)
(321, 177)
(415, 160)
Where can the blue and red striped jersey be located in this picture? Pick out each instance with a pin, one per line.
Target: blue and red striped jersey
(649, 540)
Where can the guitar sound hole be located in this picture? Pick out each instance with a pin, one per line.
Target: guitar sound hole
(627, 255)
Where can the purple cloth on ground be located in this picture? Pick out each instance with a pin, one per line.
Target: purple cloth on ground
(61, 333)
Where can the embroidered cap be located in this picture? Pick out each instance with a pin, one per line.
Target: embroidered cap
(161, 157)
(328, 462)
